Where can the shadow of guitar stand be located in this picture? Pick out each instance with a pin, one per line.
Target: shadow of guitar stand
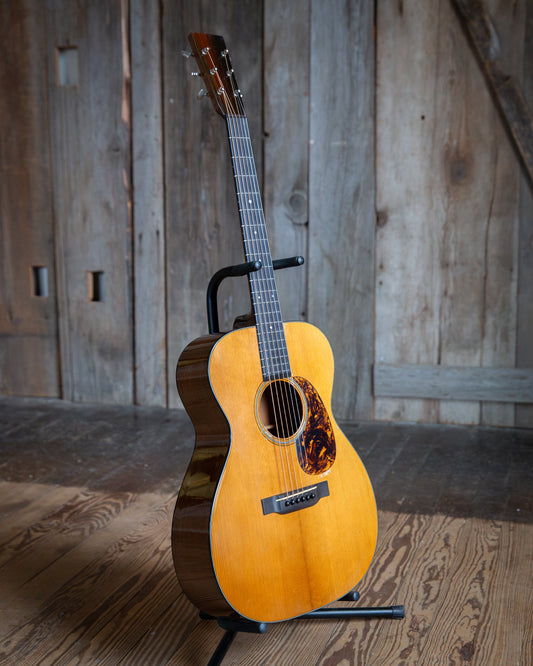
(233, 625)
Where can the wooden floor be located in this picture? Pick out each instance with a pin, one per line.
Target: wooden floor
(86, 497)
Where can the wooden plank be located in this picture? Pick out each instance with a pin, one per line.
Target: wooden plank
(486, 43)
(286, 148)
(459, 383)
(148, 204)
(84, 580)
(524, 346)
(419, 549)
(508, 592)
(499, 339)
(341, 194)
(465, 583)
(22, 504)
(28, 322)
(170, 629)
(452, 220)
(63, 527)
(472, 604)
(407, 240)
(198, 646)
(203, 232)
(90, 133)
(124, 617)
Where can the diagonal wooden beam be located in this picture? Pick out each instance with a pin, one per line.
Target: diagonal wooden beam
(506, 90)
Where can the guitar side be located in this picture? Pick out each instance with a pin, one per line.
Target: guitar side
(192, 514)
(268, 567)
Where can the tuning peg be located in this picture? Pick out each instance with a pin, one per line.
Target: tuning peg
(202, 93)
(186, 54)
(195, 74)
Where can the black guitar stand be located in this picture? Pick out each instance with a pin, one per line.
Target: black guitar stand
(234, 624)
(236, 271)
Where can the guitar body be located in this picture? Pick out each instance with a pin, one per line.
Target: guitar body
(268, 524)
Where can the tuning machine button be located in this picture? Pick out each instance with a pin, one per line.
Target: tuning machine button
(202, 93)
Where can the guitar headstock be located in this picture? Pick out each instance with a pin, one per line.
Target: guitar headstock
(213, 60)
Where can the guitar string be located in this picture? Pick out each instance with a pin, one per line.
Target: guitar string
(239, 173)
(280, 385)
(297, 414)
(265, 321)
(290, 397)
(262, 319)
(242, 174)
(261, 247)
(274, 332)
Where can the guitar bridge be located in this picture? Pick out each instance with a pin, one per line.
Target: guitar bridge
(294, 500)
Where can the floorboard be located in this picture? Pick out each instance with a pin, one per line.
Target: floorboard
(86, 575)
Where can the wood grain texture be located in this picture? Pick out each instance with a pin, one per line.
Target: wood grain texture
(448, 200)
(28, 324)
(342, 194)
(86, 573)
(90, 133)
(203, 232)
(500, 332)
(191, 524)
(524, 347)
(440, 382)
(425, 468)
(148, 204)
(321, 551)
(286, 81)
(453, 220)
(505, 88)
(69, 585)
(144, 567)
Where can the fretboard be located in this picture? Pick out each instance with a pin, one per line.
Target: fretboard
(265, 303)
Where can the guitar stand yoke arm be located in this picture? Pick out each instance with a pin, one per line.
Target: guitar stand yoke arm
(237, 271)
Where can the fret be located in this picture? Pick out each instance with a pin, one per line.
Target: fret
(265, 302)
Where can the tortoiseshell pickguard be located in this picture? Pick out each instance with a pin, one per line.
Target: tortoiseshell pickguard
(316, 445)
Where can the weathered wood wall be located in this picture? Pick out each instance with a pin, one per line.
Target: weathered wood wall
(450, 287)
(119, 172)
(90, 138)
(29, 362)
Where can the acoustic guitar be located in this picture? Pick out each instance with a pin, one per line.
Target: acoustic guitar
(276, 515)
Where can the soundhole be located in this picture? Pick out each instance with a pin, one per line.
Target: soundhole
(280, 409)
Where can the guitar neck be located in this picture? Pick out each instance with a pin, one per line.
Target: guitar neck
(269, 323)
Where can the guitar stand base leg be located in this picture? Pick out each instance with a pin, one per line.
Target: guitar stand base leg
(233, 625)
(222, 648)
(390, 612)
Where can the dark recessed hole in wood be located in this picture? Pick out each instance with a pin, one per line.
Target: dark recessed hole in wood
(40, 280)
(96, 286)
(67, 66)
